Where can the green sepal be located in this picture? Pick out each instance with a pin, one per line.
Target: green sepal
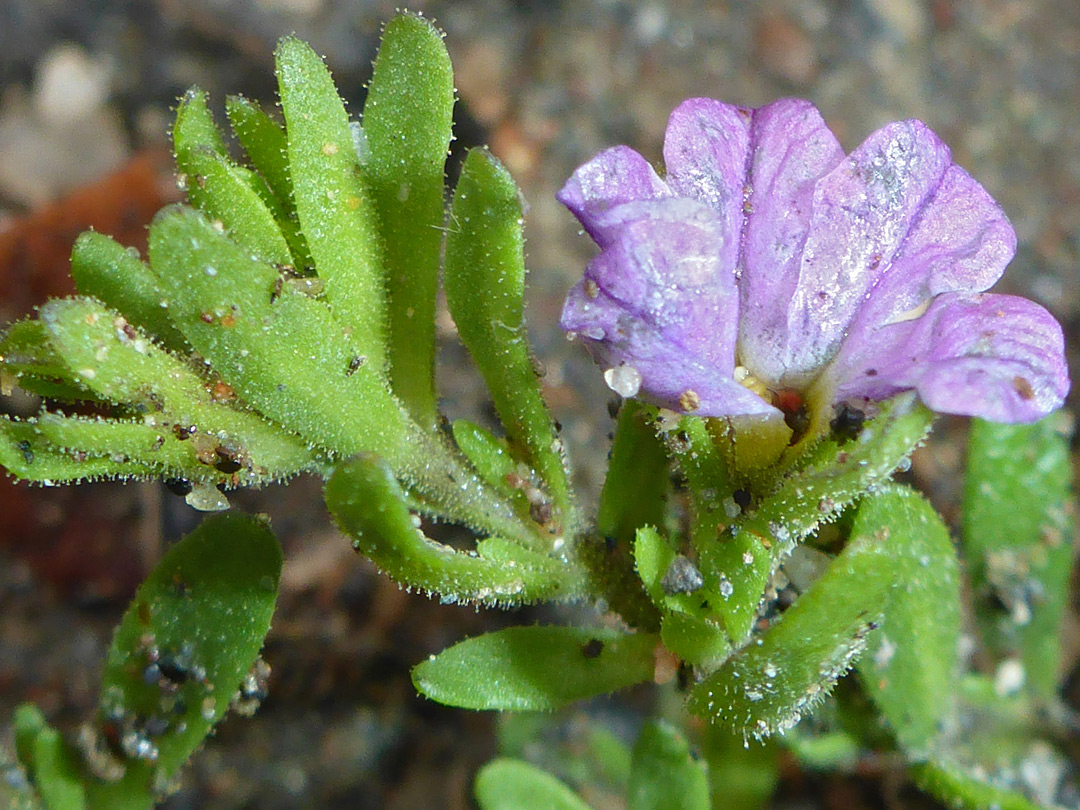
(535, 668)
(369, 505)
(1018, 538)
(206, 609)
(511, 784)
(407, 121)
(485, 281)
(115, 275)
(333, 206)
(769, 684)
(911, 664)
(831, 477)
(664, 773)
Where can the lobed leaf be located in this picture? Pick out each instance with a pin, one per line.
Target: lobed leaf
(369, 505)
(334, 207)
(485, 280)
(1018, 538)
(535, 668)
(287, 354)
(115, 275)
(407, 121)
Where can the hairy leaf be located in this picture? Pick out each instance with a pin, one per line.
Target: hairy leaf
(535, 668)
(485, 280)
(335, 209)
(407, 120)
(369, 505)
(1018, 535)
(182, 651)
(911, 663)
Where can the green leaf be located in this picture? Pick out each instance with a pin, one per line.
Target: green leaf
(194, 126)
(485, 282)
(741, 776)
(911, 664)
(637, 481)
(664, 775)
(535, 668)
(334, 207)
(369, 505)
(832, 476)
(121, 365)
(1017, 533)
(224, 191)
(695, 639)
(510, 784)
(26, 456)
(29, 357)
(407, 120)
(182, 651)
(55, 772)
(959, 788)
(286, 354)
(116, 276)
(491, 458)
(774, 680)
(266, 145)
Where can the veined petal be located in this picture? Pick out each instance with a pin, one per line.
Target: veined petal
(863, 211)
(962, 242)
(660, 299)
(792, 148)
(616, 176)
(999, 357)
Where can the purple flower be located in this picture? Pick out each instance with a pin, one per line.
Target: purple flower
(767, 268)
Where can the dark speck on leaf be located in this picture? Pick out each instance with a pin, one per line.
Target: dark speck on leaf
(592, 648)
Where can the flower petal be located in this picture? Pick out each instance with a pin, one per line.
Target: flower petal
(792, 148)
(999, 357)
(615, 176)
(660, 300)
(962, 242)
(863, 211)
